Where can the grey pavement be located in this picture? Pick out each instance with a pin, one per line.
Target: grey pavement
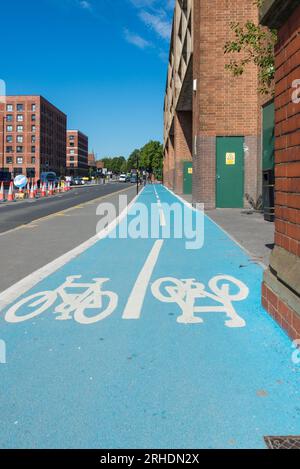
(247, 227)
(29, 247)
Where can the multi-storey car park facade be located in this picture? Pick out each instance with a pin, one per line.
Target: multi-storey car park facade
(77, 153)
(212, 136)
(34, 134)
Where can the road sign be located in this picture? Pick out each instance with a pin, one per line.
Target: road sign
(20, 181)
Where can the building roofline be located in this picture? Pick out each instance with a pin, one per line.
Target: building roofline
(39, 96)
(274, 13)
(78, 131)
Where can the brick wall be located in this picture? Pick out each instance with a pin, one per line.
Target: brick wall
(281, 286)
(169, 163)
(183, 146)
(287, 144)
(223, 105)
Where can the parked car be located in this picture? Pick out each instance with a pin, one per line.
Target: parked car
(123, 178)
(79, 181)
(48, 177)
(133, 179)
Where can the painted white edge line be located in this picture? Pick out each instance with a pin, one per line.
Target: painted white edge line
(22, 286)
(249, 254)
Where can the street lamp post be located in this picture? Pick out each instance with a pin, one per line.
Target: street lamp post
(3, 144)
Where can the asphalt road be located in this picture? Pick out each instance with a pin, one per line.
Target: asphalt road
(21, 213)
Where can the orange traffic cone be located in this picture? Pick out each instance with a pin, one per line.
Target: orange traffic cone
(50, 189)
(2, 195)
(32, 194)
(43, 191)
(11, 196)
(35, 190)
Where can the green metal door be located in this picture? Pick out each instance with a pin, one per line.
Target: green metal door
(268, 136)
(187, 177)
(230, 172)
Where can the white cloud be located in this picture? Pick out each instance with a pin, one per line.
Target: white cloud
(85, 5)
(136, 40)
(143, 3)
(157, 22)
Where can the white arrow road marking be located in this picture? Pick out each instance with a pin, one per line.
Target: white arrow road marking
(136, 299)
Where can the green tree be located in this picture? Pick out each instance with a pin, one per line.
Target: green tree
(255, 44)
(152, 157)
(132, 160)
(114, 164)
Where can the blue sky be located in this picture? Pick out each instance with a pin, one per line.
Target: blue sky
(102, 62)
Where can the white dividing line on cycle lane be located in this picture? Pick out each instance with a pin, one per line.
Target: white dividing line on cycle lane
(162, 217)
(9, 295)
(136, 299)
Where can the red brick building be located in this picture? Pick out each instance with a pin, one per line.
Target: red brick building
(92, 160)
(281, 288)
(34, 134)
(212, 130)
(77, 153)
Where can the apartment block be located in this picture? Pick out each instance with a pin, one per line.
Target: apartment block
(212, 136)
(32, 136)
(77, 153)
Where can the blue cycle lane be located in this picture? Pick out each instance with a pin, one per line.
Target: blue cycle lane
(146, 364)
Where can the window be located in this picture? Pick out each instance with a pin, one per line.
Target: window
(33, 139)
(9, 107)
(33, 149)
(30, 172)
(9, 128)
(19, 128)
(72, 144)
(9, 118)
(19, 160)
(9, 160)
(9, 149)
(33, 160)
(72, 152)
(33, 117)
(71, 158)
(9, 138)
(33, 107)
(33, 128)
(19, 149)
(20, 118)
(20, 139)
(20, 107)
(71, 165)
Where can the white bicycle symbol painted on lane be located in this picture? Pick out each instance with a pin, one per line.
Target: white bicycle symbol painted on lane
(79, 298)
(185, 292)
(74, 305)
